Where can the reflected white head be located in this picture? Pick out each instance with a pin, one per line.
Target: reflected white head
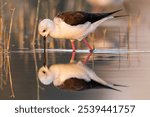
(45, 75)
(45, 27)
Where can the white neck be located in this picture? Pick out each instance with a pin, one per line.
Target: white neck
(51, 76)
(51, 26)
(56, 72)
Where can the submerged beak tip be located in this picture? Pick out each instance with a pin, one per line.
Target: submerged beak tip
(44, 37)
(44, 63)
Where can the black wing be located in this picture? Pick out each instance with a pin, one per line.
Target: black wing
(79, 84)
(79, 17)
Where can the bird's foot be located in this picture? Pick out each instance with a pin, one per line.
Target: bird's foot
(92, 50)
(72, 61)
(73, 50)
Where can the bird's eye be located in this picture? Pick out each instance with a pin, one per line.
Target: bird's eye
(44, 72)
(44, 30)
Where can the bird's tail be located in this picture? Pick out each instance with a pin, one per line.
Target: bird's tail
(109, 86)
(114, 12)
(118, 85)
(111, 13)
(99, 18)
(95, 85)
(118, 16)
(105, 84)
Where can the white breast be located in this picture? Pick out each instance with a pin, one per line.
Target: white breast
(66, 71)
(65, 31)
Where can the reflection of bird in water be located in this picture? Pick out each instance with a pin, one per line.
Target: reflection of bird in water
(72, 77)
(73, 25)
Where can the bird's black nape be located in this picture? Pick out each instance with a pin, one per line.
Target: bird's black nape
(44, 42)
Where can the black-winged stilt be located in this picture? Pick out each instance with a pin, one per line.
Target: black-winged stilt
(73, 25)
(74, 76)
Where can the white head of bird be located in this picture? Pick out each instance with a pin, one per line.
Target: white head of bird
(45, 75)
(45, 27)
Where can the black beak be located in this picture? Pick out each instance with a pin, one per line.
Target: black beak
(44, 42)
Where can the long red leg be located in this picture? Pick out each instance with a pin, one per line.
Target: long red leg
(73, 45)
(87, 58)
(72, 57)
(87, 44)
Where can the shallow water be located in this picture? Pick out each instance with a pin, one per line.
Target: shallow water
(115, 68)
(122, 57)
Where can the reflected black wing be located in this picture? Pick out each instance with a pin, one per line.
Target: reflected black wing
(79, 84)
(79, 17)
